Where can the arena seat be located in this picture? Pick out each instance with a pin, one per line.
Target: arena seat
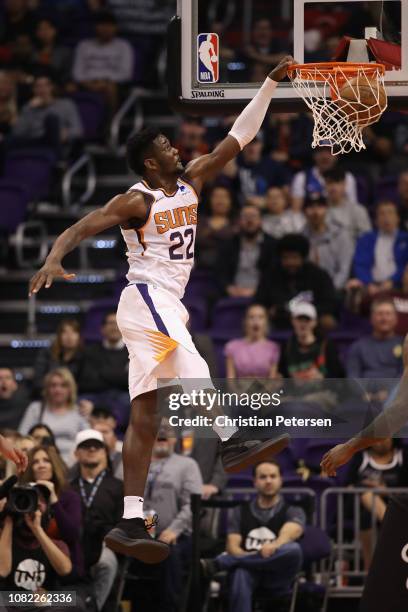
(201, 284)
(363, 190)
(228, 315)
(14, 201)
(198, 314)
(35, 165)
(92, 111)
(387, 189)
(94, 318)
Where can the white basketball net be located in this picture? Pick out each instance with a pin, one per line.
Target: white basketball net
(333, 126)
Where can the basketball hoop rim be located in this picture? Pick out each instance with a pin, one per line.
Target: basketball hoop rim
(320, 71)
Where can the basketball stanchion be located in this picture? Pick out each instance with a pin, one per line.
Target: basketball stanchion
(344, 98)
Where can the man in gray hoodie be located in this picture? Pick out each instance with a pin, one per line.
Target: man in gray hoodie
(348, 214)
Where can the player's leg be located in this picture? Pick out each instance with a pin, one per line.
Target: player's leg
(238, 450)
(140, 436)
(130, 536)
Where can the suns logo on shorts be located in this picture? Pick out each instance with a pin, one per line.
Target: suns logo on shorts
(177, 217)
(207, 58)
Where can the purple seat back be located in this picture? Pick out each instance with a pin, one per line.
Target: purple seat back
(94, 318)
(287, 461)
(198, 314)
(229, 314)
(92, 110)
(387, 189)
(200, 285)
(14, 201)
(315, 545)
(363, 190)
(32, 168)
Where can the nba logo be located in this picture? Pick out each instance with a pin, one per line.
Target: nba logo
(207, 58)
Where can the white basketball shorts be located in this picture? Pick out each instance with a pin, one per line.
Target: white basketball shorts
(153, 326)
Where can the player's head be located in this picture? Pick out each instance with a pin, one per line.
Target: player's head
(150, 153)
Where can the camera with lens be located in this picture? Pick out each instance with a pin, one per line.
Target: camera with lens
(22, 499)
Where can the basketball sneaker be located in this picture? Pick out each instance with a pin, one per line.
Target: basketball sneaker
(238, 453)
(130, 537)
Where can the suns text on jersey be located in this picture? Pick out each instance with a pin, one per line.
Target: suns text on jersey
(176, 217)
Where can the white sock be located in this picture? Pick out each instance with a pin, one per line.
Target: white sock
(133, 507)
(224, 432)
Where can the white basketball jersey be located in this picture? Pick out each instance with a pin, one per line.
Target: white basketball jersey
(161, 252)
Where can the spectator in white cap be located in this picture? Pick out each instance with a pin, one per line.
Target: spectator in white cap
(102, 507)
(306, 355)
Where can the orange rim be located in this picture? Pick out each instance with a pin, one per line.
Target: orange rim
(320, 71)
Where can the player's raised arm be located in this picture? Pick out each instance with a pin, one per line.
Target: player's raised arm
(244, 129)
(117, 211)
(386, 424)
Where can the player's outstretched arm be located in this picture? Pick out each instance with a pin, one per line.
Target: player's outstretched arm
(243, 131)
(116, 212)
(386, 424)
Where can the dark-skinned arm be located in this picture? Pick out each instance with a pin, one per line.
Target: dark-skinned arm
(385, 425)
(205, 167)
(116, 212)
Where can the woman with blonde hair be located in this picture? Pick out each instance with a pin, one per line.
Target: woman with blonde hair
(65, 351)
(59, 410)
(46, 468)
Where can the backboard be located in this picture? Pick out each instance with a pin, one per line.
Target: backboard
(219, 52)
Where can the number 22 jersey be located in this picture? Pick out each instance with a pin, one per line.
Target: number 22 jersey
(160, 251)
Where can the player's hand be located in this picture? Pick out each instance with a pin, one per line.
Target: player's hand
(334, 458)
(281, 70)
(45, 276)
(14, 454)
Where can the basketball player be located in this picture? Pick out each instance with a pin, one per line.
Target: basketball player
(158, 218)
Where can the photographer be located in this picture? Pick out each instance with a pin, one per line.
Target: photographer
(30, 560)
(45, 467)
